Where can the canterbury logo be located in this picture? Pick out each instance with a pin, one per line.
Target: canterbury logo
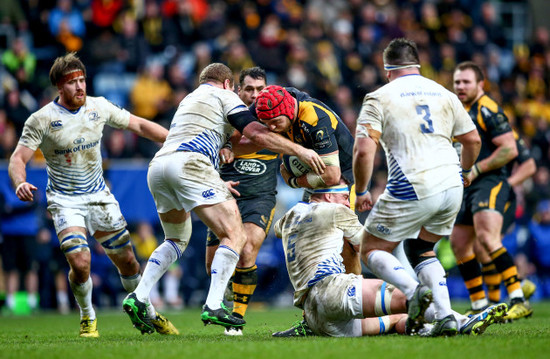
(208, 194)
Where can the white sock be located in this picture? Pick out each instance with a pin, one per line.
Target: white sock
(518, 293)
(429, 314)
(388, 268)
(480, 304)
(171, 287)
(223, 265)
(431, 273)
(62, 298)
(10, 301)
(83, 295)
(157, 265)
(130, 283)
(32, 300)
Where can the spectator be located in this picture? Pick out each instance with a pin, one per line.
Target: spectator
(20, 63)
(19, 224)
(134, 49)
(67, 25)
(151, 93)
(539, 229)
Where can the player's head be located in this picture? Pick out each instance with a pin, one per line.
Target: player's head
(468, 80)
(400, 54)
(68, 74)
(251, 82)
(276, 108)
(333, 194)
(217, 73)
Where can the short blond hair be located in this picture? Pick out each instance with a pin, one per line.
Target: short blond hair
(216, 72)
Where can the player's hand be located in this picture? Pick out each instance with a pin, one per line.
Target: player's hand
(363, 203)
(313, 160)
(469, 176)
(231, 186)
(25, 191)
(226, 155)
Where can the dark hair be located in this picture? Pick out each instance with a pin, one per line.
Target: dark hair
(471, 66)
(217, 72)
(257, 73)
(64, 64)
(400, 52)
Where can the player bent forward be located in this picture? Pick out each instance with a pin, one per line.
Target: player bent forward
(183, 177)
(339, 304)
(68, 131)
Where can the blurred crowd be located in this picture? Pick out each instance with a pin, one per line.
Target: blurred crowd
(145, 55)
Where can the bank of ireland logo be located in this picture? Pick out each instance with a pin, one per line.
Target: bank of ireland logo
(208, 193)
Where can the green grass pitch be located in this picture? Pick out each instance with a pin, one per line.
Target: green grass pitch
(55, 336)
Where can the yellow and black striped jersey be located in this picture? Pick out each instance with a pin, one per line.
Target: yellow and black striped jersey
(491, 122)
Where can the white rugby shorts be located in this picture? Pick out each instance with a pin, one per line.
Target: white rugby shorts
(185, 180)
(334, 306)
(96, 212)
(395, 220)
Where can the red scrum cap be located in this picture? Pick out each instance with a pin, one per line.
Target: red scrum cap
(274, 101)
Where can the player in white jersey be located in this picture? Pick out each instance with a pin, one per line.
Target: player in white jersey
(415, 120)
(339, 304)
(68, 131)
(183, 177)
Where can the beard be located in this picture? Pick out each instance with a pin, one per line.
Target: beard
(73, 102)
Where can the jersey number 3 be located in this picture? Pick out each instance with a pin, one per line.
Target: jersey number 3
(424, 110)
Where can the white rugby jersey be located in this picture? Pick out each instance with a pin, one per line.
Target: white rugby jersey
(71, 142)
(312, 235)
(418, 119)
(200, 123)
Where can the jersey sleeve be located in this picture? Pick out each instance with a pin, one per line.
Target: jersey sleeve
(370, 113)
(323, 138)
(117, 117)
(231, 103)
(347, 221)
(277, 228)
(33, 132)
(496, 122)
(523, 151)
(463, 122)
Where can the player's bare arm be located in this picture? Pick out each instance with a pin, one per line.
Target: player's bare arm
(471, 145)
(330, 177)
(364, 150)
(506, 151)
(16, 169)
(242, 145)
(523, 172)
(147, 129)
(262, 136)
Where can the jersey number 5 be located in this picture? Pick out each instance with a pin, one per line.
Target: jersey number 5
(424, 110)
(291, 248)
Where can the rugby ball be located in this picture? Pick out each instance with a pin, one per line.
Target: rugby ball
(295, 166)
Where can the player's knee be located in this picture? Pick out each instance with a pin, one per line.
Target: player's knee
(415, 248)
(178, 232)
(73, 242)
(80, 264)
(180, 245)
(115, 243)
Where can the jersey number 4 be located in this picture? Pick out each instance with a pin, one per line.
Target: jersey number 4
(424, 110)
